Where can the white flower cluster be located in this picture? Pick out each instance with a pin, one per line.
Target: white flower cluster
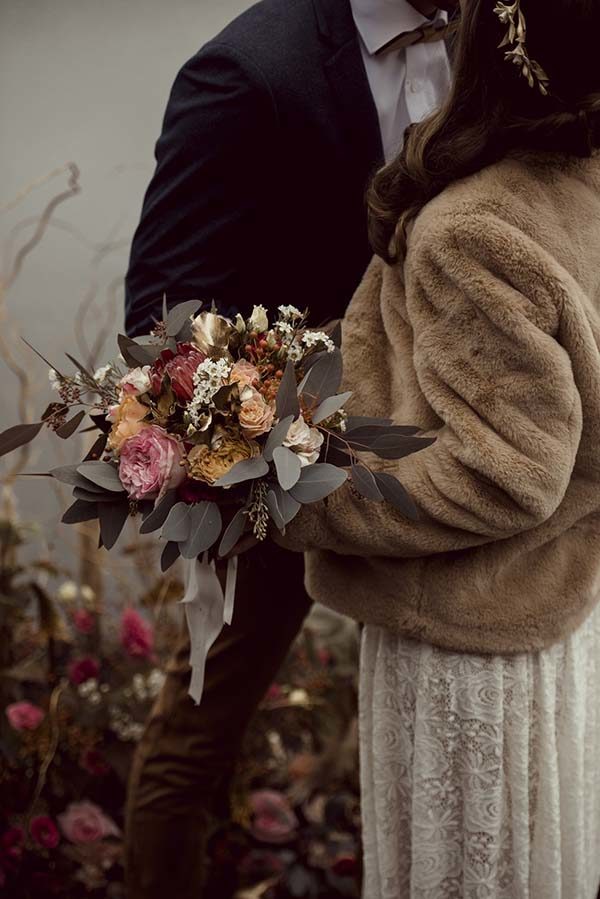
(295, 351)
(68, 592)
(289, 312)
(144, 688)
(92, 691)
(54, 379)
(314, 338)
(101, 373)
(123, 724)
(208, 378)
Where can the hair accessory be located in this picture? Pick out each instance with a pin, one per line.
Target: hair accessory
(511, 14)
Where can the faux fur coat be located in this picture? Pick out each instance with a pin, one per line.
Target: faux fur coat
(487, 338)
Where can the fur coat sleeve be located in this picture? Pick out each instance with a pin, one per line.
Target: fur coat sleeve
(484, 303)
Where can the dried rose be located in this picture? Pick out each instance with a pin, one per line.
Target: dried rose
(209, 463)
(150, 463)
(83, 621)
(127, 420)
(273, 818)
(180, 367)
(256, 416)
(136, 381)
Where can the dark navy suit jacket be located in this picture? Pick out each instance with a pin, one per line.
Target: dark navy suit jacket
(268, 142)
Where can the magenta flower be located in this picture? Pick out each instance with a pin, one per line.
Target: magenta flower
(137, 636)
(44, 832)
(24, 715)
(273, 819)
(151, 463)
(83, 621)
(83, 669)
(84, 822)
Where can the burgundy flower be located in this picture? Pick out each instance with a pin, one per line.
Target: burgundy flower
(44, 832)
(94, 762)
(191, 492)
(83, 669)
(83, 621)
(180, 368)
(137, 637)
(11, 847)
(345, 865)
(273, 820)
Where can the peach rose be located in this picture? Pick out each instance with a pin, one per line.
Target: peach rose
(127, 421)
(244, 374)
(209, 463)
(256, 416)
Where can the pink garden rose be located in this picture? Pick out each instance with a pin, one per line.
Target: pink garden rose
(137, 637)
(83, 621)
(84, 822)
(151, 463)
(83, 669)
(24, 715)
(273, 819)
(44, 832)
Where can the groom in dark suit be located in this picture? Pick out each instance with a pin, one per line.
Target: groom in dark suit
(271, 133)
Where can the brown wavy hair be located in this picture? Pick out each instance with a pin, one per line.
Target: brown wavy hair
(492, 111)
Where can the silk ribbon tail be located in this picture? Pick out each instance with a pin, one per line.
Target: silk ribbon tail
(204, 606)
(230, 583)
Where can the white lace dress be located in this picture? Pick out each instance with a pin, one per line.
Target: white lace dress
(480, 774)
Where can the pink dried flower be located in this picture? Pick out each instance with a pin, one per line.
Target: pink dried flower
(151, 463)
(273, 819)
(24, 715)
(44, 832)
(137, 636)
(84, 822)
(83, 620)
(274, 692)
(83, 669)
(180, 367)
(94, 763)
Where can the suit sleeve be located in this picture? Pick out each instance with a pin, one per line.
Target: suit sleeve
(484, 303)
(211, 159)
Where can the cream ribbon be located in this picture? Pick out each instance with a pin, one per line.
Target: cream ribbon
(207, 609)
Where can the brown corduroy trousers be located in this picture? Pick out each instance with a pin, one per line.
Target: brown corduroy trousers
(186, 757)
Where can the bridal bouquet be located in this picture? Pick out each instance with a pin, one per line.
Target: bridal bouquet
(210, 429)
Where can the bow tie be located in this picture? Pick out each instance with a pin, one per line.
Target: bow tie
(426, 34)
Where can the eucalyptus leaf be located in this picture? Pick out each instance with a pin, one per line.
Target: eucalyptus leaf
(112, 521)
(274, 510)
(68, 474)
(287, 466)
(287, 505)
(95, 451)
(246, 470)
(393, 446)
(277, 436)
(80, 366)
(177, 523)
(169, 555)
(206, 524)
(165, 308)
(158, 515)
(125, 345)
(286, 401)
(80, 511)
(359, 421)
(330, 406)
(102, 423)
(145, 355)
(94, 496)
(365, 483)
(104, 474)
(323, 379)
(372, 432)
(18, 435)
(395, 494)
(336, 334)
(179, 315)
(233, 532)
(318, 481)
(68, 429)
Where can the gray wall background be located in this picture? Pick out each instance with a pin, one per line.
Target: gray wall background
(87, 82)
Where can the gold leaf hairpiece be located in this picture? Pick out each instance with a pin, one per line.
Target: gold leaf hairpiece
(511, 14)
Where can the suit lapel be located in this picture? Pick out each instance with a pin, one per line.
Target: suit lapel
(345, 72)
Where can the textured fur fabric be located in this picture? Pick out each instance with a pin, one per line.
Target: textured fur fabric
(488, 338)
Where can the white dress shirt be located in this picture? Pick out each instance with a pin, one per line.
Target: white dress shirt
(409, 84)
